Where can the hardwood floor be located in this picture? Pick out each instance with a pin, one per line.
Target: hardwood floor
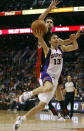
(43, 121)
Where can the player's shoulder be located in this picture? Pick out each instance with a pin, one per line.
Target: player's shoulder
(60, 48)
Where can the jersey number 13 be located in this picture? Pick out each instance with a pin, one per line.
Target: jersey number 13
(57, 61)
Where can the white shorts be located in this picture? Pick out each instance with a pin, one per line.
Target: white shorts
(46, 97)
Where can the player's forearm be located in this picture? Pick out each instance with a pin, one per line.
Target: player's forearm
(42, 16)
(75, 45)
(51, 6)
(43, 45)
(67, 41)
(77, 34)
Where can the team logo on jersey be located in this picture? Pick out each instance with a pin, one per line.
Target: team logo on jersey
(56, 55)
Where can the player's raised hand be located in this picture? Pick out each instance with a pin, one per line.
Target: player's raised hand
(53, 4)
(79, 32)
(38, 34)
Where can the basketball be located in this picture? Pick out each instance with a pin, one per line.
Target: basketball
(39, 26)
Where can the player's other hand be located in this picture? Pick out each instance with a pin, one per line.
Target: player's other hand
(53, 4)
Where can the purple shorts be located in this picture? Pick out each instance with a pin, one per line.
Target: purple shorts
(45, 77)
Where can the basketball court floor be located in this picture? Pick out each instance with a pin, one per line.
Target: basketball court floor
(43, 121)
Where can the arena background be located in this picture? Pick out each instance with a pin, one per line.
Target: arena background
(18, 49)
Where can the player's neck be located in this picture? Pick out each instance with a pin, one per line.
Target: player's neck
(50, 30)
(54, 47)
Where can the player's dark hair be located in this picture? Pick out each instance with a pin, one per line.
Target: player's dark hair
(51, 35)
(49, 18)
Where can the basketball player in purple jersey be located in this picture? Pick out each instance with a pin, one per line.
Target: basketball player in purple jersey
(50, 74)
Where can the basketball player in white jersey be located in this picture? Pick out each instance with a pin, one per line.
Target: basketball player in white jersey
(50, 75)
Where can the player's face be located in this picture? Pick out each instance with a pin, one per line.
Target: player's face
(49, 23)
(54, 41)
(69, 78)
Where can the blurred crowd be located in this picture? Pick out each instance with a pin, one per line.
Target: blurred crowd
(35, 4)
(17, 73)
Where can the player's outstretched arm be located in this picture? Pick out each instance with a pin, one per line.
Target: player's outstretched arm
(69, 40)
(53, 5)
(73, 46)
(65, 42)
(39, 35)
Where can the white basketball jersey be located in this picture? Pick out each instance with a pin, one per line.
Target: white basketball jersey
(54, 62)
